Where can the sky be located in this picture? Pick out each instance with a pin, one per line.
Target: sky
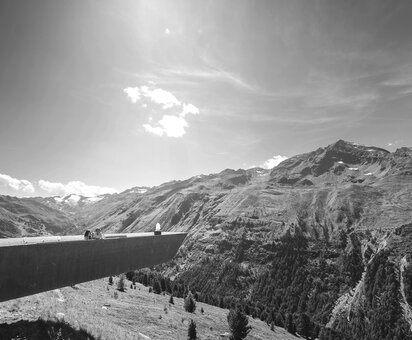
(100, 96)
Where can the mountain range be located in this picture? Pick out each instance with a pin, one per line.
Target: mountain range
(350, 203)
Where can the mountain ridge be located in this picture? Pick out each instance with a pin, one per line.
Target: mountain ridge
(338, 165)
(323, 229)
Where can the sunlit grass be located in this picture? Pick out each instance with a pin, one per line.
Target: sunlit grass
(93, 307)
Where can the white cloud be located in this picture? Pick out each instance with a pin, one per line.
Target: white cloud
(189, 108)
(133, 93)
(155, 130)
(22, 185)
(173, 126)
(174, 123)
(74, 187)
(159, 96)
(274, 161)
(162, 97)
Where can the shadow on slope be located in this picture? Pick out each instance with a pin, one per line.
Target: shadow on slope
(40, 329)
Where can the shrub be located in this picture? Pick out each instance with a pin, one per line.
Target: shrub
(238, 324)
(171, 300)
(110, 280)
(202, 310)
(190, 304)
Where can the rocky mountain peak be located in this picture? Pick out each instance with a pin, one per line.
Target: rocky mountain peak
(337, 161)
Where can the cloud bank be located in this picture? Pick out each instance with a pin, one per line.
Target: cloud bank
(15, 184)
(73, 187)
(172, 124)
(274, 161)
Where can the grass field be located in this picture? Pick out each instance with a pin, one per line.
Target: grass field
(134, 314)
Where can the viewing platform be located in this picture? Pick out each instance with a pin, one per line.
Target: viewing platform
(31, 265)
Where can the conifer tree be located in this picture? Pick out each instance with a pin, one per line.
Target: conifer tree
(191, 332)
(156, 287)
(238, 324)
(190, 304)
(120, 283)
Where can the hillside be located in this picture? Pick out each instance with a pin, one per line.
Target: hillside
(30, 217)
(134, 314)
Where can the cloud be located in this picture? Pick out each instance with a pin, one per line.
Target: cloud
(154, 130)
(74, 187)
(174, 123)
(274, 161)
(394, 143)
(133, 93)
(171, 126)
(215, 74)
(189, 108)
(159, 96)
(400, 81)
(22, 185)
(401, 77)
(326, 100)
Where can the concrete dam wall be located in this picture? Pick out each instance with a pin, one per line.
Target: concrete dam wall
(33, 265)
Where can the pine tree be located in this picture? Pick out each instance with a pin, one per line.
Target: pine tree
(120, 283)
(304, 325)
(238, 324)
(191, 332)
(289, 325)
(145, 280)
(163, 284)
(156, 287)
(190, 304)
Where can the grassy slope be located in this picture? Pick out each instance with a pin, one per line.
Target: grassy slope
(132, 312)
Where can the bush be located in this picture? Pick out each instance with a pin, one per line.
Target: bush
(171, 301)
(190, 304)
(238, 324)
(191, 332)
(110, 280)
